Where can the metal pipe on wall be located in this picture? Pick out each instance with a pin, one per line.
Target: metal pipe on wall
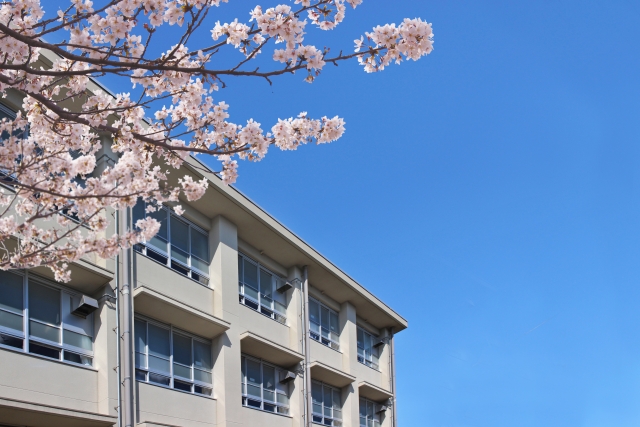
(392, 356)
(118, 357)
(128, 323)
(307, 345)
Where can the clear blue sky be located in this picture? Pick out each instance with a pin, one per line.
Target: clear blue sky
(489, 194)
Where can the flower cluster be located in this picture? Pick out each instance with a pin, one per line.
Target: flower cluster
(73, 151)
(412, 39)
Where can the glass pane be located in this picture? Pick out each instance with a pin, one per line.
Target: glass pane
(44, 304)
(202, 390)
(157, 242)
(77, 340)
(268, 378)
(316, 393)
(50, 333)
(327, 401)
(158, 379)
(360, 338)
(334, 322)
(182, 350)
(337, 401)
(202, 376)
(363, 407)
(179, 234)
(200, 265)
(182, 386)
(202, 355)
(179, 255)
(10, 341)
(140, 336)
(161, 216)
(77, 358)
(269, 396)
(254, 390)
(158, 364)
(138, 211)
(182, 371)
(141, 376)
(324, 318)
(266, 286)
(42, 350)
(314, 311)
(158, 341)
(240, 278)
(11, 295)
(369, 409)
(141, 360)
(250, 274)
(282, 399)
(11, 321)
(367, 343)
(199, 245)
(253, 372)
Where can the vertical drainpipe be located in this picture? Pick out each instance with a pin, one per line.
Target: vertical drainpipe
(307, 346)
(392, 356)
(127, 320)
(118, 329)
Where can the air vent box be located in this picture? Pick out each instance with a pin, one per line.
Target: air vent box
(85, 307)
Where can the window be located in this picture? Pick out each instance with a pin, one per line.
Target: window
(370, 415)
(179, 244)
(324, 325)
(172, 358)
(257, 288)
(44, 312)
(327, 404)
(367, 350)
(261, 386)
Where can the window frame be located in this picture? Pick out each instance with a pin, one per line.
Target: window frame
(286, 408)
(28, 340)
(276, 310)
(143, 374)
(165, 257)
(374, 360)
(375, 417)
(322, 418)
(333, 343)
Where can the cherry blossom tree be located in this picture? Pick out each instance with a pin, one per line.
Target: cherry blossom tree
(53, 199)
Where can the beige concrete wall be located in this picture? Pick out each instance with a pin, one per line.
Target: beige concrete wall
(164, 406)
(174, 285)
(35, 379)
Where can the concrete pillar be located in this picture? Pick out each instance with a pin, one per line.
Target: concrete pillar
(349, 348)
(223, 241)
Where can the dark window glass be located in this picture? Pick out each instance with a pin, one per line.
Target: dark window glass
(11, 295)
(10, 341)
(44, 304)
(44, 350)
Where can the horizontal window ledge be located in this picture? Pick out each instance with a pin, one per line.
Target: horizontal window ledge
(86, 277)
(161, 307)
(373, 392)
(329, 375)
(269, 351)
(31, 414)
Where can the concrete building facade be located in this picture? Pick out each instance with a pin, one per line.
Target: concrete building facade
(226, 318)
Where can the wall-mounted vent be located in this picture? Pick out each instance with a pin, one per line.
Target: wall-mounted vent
(284, 286)
(287, 376)
(382, 408)
(86, 306)
(379, 342)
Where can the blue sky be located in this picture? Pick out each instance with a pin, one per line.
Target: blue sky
(489, 194)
